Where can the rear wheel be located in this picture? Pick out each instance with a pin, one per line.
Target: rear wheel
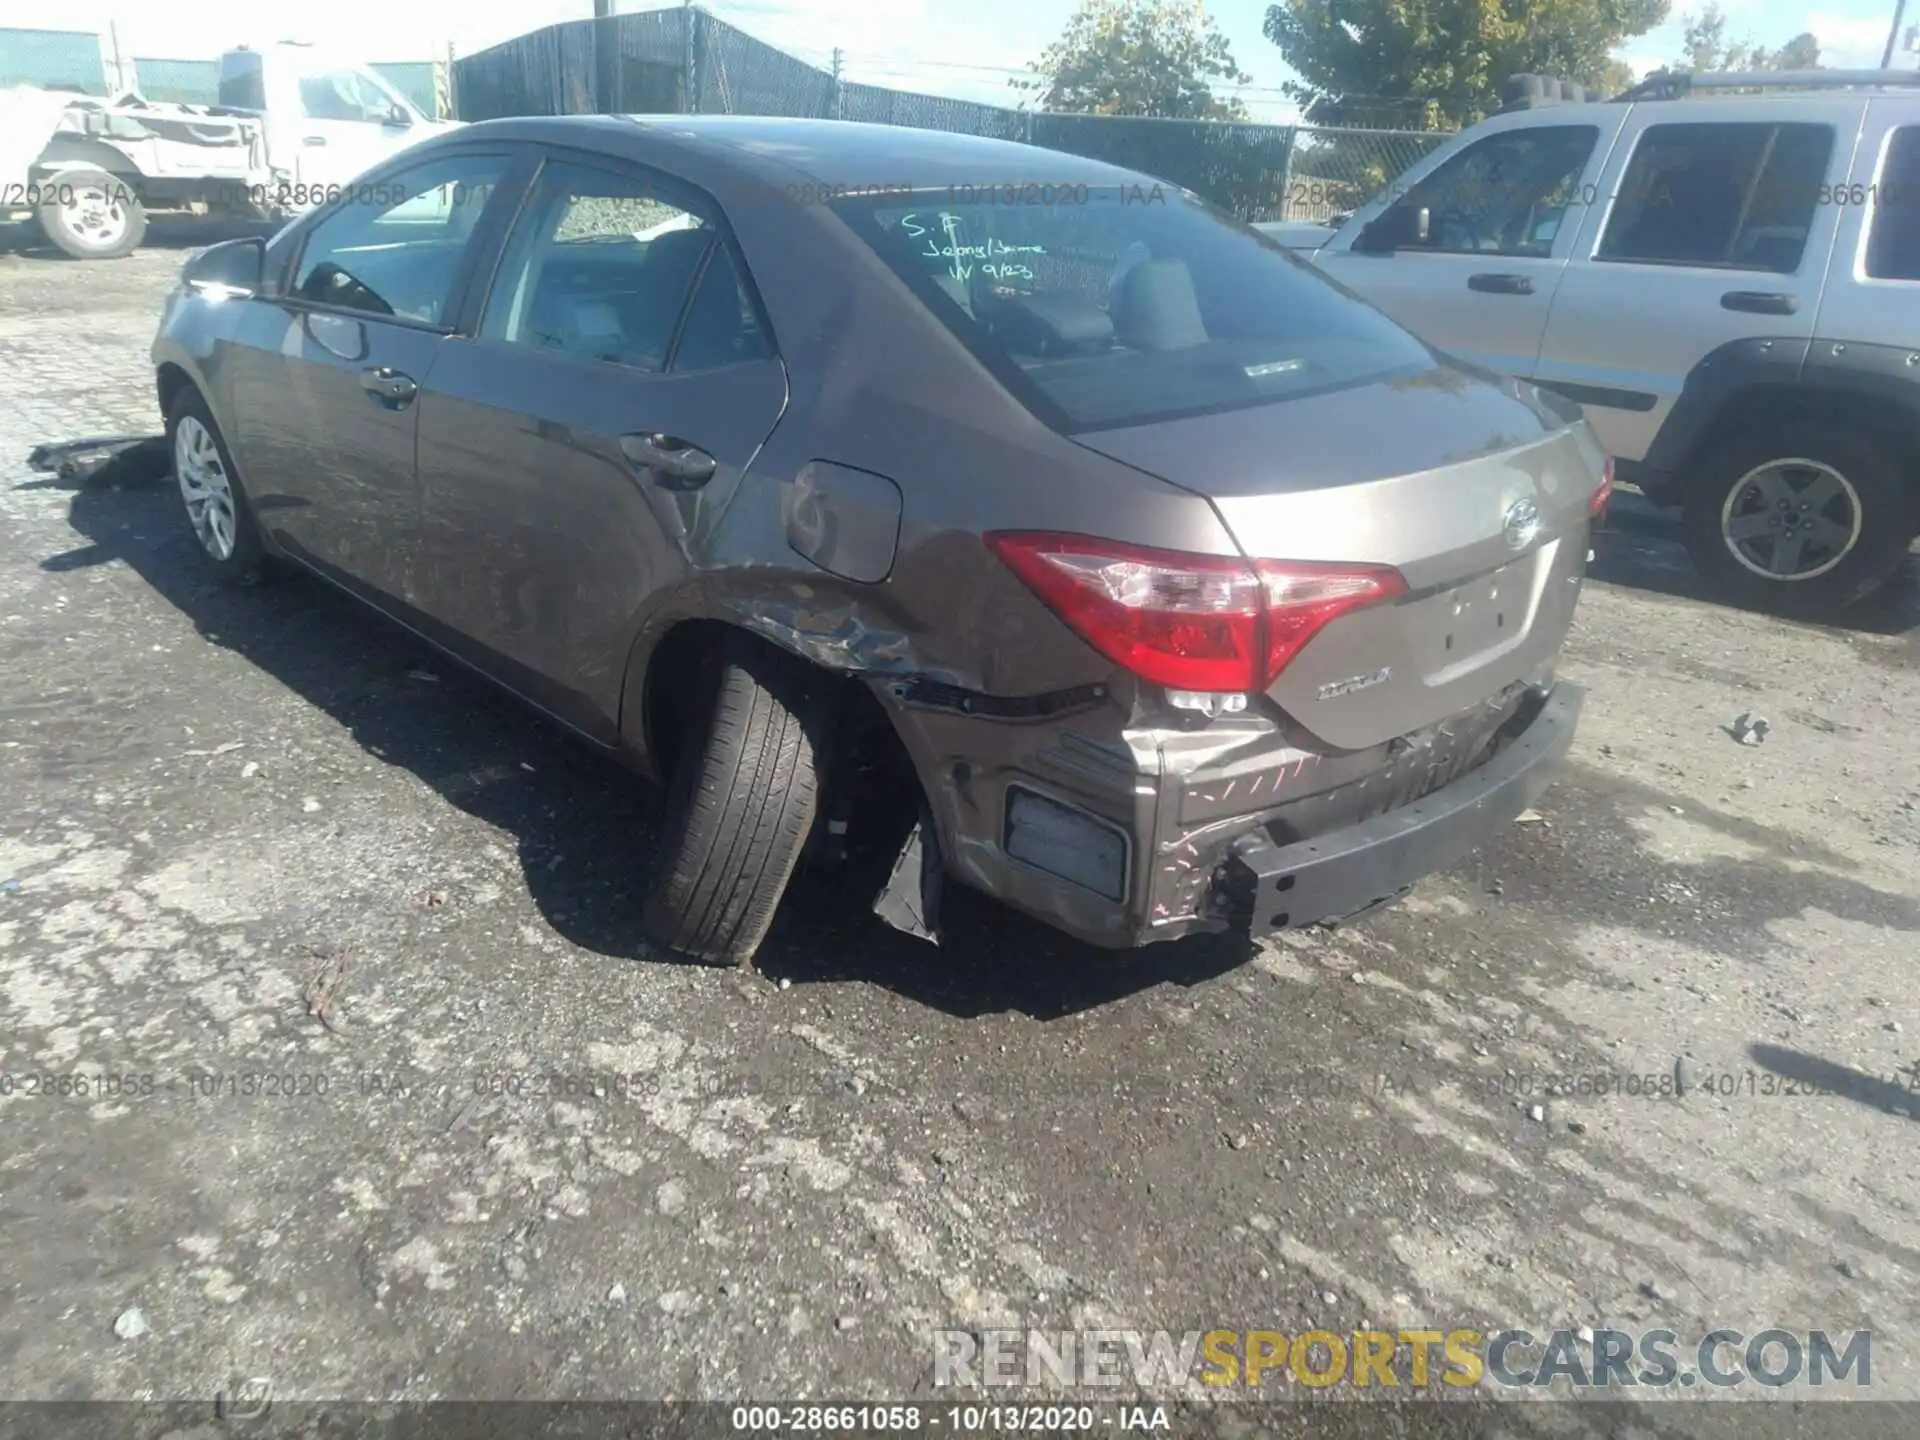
(744, 795)
(1805, 518)
(91, 215)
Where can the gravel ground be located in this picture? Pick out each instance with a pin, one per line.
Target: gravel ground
(260, 834)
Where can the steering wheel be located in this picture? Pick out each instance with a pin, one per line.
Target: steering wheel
(1461, 223)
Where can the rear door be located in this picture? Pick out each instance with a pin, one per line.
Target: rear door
(1718, 228)
(324, 394)
(1476, 276)
(619, 379)
(1872, 294)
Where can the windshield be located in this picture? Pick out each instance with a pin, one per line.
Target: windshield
(1108, 306)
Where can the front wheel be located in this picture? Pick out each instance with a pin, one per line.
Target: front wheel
(210, 489)
(1806, 518)
(92, 215)
(744, 795)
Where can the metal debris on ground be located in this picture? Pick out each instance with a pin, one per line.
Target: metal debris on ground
(323, 991)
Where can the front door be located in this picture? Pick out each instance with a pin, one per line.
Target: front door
(348, 122)
(1468, 256)
(328, 402)
(571, 452)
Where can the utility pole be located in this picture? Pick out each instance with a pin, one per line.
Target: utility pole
(1893, 35)
(122, 81)
(606, 60)
(839, 110)
(689, 59)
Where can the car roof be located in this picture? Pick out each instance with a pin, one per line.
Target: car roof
(827, 152)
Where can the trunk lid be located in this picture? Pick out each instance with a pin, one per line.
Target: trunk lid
(1476, 490)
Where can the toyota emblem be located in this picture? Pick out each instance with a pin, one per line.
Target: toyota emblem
(1522, 525)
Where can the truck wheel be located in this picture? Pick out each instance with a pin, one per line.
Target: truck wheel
(1803, 518)
(744, 795)
(92, 215)
(210, 489)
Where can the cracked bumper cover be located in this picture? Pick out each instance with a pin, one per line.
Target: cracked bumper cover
(1345, 872)
(1230, 828)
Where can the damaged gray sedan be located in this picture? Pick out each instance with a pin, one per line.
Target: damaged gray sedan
(1035, 526)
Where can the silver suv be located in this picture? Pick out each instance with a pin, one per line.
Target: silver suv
(1724, 271)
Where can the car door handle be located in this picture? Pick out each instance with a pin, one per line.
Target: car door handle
(1760, 302)
(682, 466)
(389, 385)
(313, 140)
(1501, 284)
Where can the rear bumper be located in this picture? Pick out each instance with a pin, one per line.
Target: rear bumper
(1231, 825)
(1340, 874)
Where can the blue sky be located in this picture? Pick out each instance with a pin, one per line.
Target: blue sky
(965, 48)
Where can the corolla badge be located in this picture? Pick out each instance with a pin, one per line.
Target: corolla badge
(1522, 525)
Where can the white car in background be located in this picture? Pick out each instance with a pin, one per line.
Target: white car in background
(292, 127)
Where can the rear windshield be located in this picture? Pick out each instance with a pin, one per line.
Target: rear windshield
(1110, 306)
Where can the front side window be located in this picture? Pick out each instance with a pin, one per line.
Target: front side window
(344, 95)
(603, 266)
(1505, 195)
(1110, 308)
(1893, 244)
(395, 248)
(1737, 195)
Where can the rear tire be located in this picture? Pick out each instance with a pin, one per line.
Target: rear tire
(1802, 518)
(744, 796)
(92, 215)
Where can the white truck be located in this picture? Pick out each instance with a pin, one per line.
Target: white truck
(292, 126)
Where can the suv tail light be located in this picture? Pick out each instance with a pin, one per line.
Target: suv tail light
(1189, 622)
(1602, 493)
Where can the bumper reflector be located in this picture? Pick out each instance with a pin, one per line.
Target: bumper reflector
(1066, 842)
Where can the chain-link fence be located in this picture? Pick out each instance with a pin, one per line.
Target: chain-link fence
(683, 60)
(1335, 170)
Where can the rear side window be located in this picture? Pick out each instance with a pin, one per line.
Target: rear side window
(1100, 306)
(396, 247)
(1734, 195)
(721, 327)
(605, 265)
(1893, 245)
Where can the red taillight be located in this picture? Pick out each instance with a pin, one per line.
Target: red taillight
(1303, 598)
(1188, 622)
(1603, 492)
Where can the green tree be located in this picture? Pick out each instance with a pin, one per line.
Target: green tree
(1138, 57)
(1440, 63)
(1703, 40)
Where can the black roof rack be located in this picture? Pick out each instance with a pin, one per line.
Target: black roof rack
(1678, 84)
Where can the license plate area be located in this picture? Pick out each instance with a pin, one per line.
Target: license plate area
(1478, 619)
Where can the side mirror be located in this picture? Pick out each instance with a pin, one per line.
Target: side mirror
(399, 118)
(234, 267)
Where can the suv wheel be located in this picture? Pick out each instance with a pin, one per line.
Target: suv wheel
(1806, 518)
(744, 795)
